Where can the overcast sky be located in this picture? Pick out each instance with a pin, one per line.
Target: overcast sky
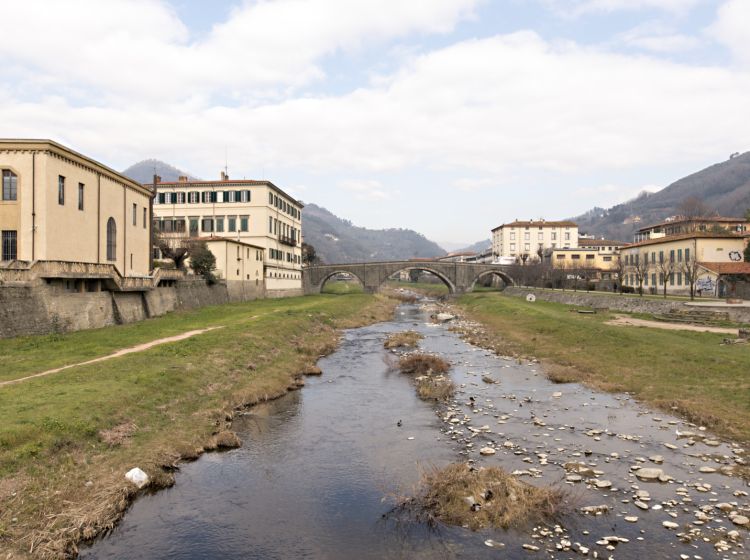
(445, 116)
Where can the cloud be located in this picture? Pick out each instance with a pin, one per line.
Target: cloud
(369, 190)
(472, 185)
(140, 49)
(732, 29)
(580, 7)
(658, 38)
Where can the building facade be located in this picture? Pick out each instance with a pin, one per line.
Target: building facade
(679, 263)
(240, 265)
(525, 240)
(679, 226)
(59, 205)
(257, 213)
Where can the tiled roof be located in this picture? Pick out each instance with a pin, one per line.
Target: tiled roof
(681, 236)
(599, 243)
(710, 219)
(727, 267)
(227, 183)
(538, 223)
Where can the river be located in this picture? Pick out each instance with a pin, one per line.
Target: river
(320, 468)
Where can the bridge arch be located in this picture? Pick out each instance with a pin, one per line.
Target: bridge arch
(500, 274)
(425, 268)
(342, 270)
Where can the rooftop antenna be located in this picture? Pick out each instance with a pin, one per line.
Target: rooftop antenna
(226, 160)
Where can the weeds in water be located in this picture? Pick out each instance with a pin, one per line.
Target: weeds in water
(423, 364)
(480, 498)
(406, 339)
(436, 388)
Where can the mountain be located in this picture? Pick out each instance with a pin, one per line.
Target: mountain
(477, 247)
(723, 187)
(144, 171)
(339, 241)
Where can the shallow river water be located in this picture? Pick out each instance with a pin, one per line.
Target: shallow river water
(319, 469)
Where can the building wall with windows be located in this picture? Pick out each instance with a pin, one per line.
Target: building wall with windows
(240, 265)
(590, 258)
(520, 238)
(674, 260)
(678, 225)
(253, 212)
(59, 205)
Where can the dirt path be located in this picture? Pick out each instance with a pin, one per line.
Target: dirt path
(123, 352)
(622, 321)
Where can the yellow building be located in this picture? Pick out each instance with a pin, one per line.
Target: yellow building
(679, 225)
(59, 205)
(679, 262)
(240, 265)
(257, 213)
(521, 239)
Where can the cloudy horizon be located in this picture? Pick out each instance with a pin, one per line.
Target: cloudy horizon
(448, 117)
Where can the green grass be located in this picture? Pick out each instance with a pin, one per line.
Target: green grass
(342, 287)
(426, 288)
(706, 381)
(176, 394)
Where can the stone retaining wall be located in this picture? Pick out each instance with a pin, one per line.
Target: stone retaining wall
(626, 303)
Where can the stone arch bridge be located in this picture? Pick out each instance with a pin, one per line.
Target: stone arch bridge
(459, 277)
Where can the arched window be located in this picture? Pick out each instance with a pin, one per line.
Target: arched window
(111, 240)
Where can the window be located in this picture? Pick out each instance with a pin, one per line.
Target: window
(607, 259)
(661, 256)
(671, 278)
(540, 236)
(270, 224)
(145, 217)
(512, 246)
(560, 257)
(10, 186)
(575, 257)
(244, 223)
(661, 278)
(228, 196)
(179, 198)
(554, 236)
(161, 198)
(270, 198)
(207, 224)
(135, 214)
(687, 255)
(679, 278)
(512, 235)
(679, 255)
(590, 257)
(193, 197)
(61, 190)
(220, 224)
(10, 245)
(193, 227)
(645, 279)
(526, 247)
(653, 279)
(244, 196)
(111, 240)
(567, 236)
(671, 255)
(232, 223)
(653, 256)
(81, 188)
(527, 236)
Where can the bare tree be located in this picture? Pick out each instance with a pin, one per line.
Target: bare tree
(691, 271)
(175, 248)
(666, 267)
(693, 208)
(638, 266)
(619, 269)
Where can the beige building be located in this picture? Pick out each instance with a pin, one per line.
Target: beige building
(518, 239)
(59, 205)
(679, 262)
(257, 213)
(595, 255)
(240, 265)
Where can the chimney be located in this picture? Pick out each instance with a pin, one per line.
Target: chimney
(182, 179)
(224, 176)
(157, 179)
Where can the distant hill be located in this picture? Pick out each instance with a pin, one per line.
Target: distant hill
(144, 171)
(339, 241)
(477, 247)
(723, 187)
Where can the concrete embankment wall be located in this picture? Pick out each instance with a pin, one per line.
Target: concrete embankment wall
(45, 309)
(627, 303)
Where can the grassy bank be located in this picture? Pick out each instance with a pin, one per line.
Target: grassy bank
(66, 440)
(705, 381)
(342, 287)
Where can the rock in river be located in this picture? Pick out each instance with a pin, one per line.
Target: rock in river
(649, 473)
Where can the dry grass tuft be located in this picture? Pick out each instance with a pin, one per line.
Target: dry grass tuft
(227, 440)
(487, 497)
(692, 412)
(423, 364)
(406, 339)
(118, 435)
(434, 387)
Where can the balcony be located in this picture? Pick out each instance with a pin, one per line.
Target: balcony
(286, 240)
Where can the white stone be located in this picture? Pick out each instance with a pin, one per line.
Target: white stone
(649, 473)
(487, 451)
(670, 524)
(137, 477)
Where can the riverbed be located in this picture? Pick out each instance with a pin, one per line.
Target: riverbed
(321, 469)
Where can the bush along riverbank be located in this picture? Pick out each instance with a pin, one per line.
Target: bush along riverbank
(691, 374)
(68, 439)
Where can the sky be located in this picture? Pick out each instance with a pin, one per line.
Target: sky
(449, 117)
